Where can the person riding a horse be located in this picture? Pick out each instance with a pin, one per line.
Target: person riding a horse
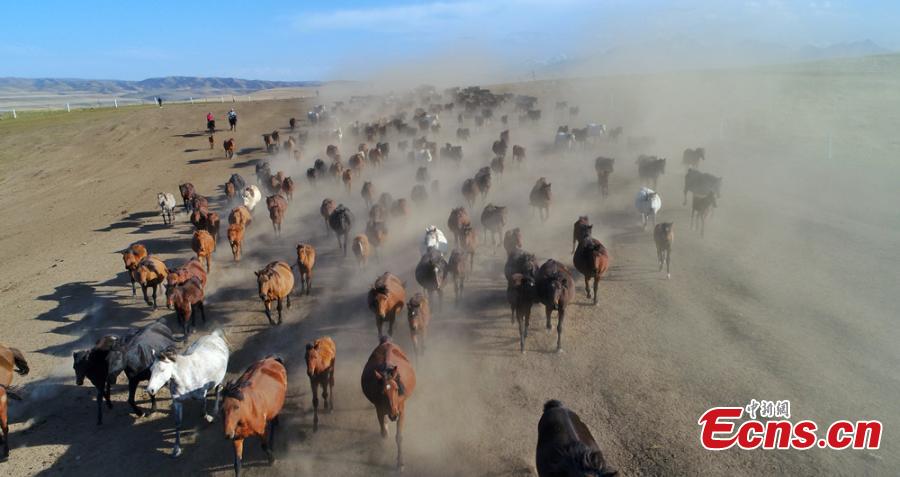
(210, 122)
(232, 118)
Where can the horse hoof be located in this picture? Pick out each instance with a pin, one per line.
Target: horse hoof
(559, 351)
(209, 418)
(668, 276)
(176, 452)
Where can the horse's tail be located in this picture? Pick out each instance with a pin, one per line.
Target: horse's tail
(552, 404)
(20, 362)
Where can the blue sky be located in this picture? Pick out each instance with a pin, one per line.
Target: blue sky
(348, 39)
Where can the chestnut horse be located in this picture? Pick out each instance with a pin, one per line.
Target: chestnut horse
(388, 380)
(325, 210)
(236, 240)
(663, 235)
(277, 206)
(306, 260)
(361, 249)
(192, 268)
(11, 360)
(184, 298)
(275, 282)
(203, 244)
(458, 269)
(132, 257)
(555, 289)
(386, 299)
(251, 405)
(228, 145)
(320, 358)
(581, 229)
(458, 218)
(591, 260)
(521, 295)
(418, 315)
(151, 273)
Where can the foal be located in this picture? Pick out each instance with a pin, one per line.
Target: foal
(320, 358)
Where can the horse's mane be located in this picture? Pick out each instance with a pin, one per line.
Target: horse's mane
(235, 389)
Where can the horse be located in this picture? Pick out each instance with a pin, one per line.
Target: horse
(566, 447)
(701, 183)
(650, 168)
(512, 240)
(203, 244)
(184, 298)
(151, 272)
(458, 269)
(306, 261)
(701, 206)
(541, 197)
(235, 235)
(434, 238)
(457, 220)
(591, 259)
(251, 196)
(250, 406)
(419, 194)
(191, 269)
(555, 289)
(604, 167)
(386, 298)
(347, 179)
(205, 220)
(341, 221)
(228, 145)
(10, 359)
(166, 201)
(431, 271)
(418, 314)
(191, 375)
(263, 172)
(376, 234)
(368, 193)
(498, 164)
(325, 211)
(320, 360)
(691, 157)
(663, 235)
(581, 229)
(493, 218)
(483, 179)
(132, 257)
(648, 204)
(277, 206)
(187, 194)
(518, 154)
(361, 249)
(275, 282)
(240, 215)
(112, 355)
(287, 186)
(388, 380)
(400, 208)
(521, 295)
(292, 123)
(470, 191)
(199, 204)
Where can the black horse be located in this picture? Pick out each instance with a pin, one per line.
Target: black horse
(112, 355)
(431, 272)
(341, 221)
(566, 447)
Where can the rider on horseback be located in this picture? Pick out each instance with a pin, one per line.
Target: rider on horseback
(210, 122)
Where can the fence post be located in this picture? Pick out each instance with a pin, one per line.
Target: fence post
(116, 103)
(192, 100)
(68, 110)
(14, 114)
(221, 99)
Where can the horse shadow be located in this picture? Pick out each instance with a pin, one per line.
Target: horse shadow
(192, 134)
(204, 161)
(134, 219)
(248, 150)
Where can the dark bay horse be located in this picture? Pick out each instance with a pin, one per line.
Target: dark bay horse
(566, 447)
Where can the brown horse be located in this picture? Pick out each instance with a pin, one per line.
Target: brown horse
(555, 288)
(458, 268)
(418, 315)
(230, 191)
(11, 360)
(361, 249)
(203, 244)
(325, 211)
(132, 257)
(663, 235)
(470, 191)
(541, 197)
(368, 193)
(493, 218)
(566, 447)
(377, 234)
(287, 187)
(151, 273)
(581, 229)
(184, 298)
(469, 243)
(347, 179)
(591, 260)
(228, 145)
(275, 282)
(206, 220)
(236, 240)
(306, 261)
(458, 218)
(386, 299)
(277, 206)
(521, 295)
(320, 358)
(388, 380)
(512, 240)
(252, 404)
(192, 268)
(240, 215)
(400, 208)
(518, 153)
(702, 206)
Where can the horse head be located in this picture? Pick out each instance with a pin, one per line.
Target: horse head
(392, 387)
(162, 370)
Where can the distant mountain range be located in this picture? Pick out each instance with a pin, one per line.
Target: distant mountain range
(169, 87)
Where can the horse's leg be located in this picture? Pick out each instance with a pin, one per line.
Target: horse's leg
(315, 401)
(266, 442)
(202, 311)
(132, 389)
(289, 299)
(399, 438)
(596, 284)
(279, 311)
(330, 404)
(133, 288)
(587, 286)
(177, 408)
(217, 389)
(521, 320)
(100, 405)
(268, 308)
(238, 456)
(381, 423)
(668, 260)
(155, 288)
(559, 328)
(391, 318)
(146, 297)
(152, 404)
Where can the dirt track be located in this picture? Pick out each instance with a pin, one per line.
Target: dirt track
(791, 295)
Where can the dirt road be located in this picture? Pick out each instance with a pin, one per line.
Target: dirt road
(791, 294)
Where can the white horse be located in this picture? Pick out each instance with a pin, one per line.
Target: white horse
(434, 238)
(166, 201)
(191, 375)
(596, 131)
(648, 204)
(251, 197)
(423, 155)
(339, 135)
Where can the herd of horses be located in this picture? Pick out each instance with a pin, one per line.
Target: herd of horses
(250, 406)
